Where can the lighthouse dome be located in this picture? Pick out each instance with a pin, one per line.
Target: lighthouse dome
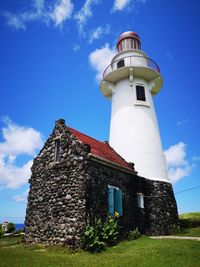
(128, 40)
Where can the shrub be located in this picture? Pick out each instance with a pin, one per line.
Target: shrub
(99, 235)
(189, 223)
(1, 231)
(20, 231)
(110, 231)
(175, 229)
(91, 237)
(11, 227)
(135, 234)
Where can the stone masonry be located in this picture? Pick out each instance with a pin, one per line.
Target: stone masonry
(64, 193)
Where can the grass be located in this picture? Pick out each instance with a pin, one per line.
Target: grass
(195, 216)
(144, 252)
(190, 217)
(189, 232)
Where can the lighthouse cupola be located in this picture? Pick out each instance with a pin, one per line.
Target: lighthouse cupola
(127, 41)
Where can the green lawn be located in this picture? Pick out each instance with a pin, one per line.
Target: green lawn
(142, 252)
(191, 216)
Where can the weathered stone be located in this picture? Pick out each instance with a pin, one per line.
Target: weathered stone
(63, 194)
(69, 237)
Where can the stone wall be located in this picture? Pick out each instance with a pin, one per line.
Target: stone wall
(56, 202)
(64, 194)
(161, 208)
(98, 178)
(159, 213)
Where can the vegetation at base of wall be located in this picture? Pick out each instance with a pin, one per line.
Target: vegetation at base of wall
(135, 234)
(99, 235)
(142, 252)
(176, 229)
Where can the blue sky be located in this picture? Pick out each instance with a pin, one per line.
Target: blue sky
(52, 55)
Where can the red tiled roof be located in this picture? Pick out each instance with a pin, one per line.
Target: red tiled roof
(100, 149)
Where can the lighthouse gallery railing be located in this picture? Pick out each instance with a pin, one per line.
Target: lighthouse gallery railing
(135, 61)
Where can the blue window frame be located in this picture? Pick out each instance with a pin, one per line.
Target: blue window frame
(114, 200)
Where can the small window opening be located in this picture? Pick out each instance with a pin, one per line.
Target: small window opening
(57, 150)
(120, 64)
(140, 200)
(140, 92)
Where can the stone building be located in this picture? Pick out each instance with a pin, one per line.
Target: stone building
(75, 177)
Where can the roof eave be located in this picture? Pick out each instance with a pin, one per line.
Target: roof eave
(111, 164)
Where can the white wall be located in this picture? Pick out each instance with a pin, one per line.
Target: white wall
(134, 131)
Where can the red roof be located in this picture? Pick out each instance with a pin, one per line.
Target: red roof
(100, 149)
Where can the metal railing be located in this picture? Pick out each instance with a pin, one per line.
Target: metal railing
(139, 61)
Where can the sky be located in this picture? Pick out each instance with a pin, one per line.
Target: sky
(52, 55)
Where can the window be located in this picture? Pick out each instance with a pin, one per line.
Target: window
(140, 200)
(114, 200)
(57, 150)
(120, 64)
(140, 92)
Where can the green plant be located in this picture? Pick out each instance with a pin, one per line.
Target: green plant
(135, 234)
(1, 231)
(110, 231)
(92, 237)
(98, 235)
(11, 227)
(20, 231)
(175, 229)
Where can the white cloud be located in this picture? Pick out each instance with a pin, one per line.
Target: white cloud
(177, 173)
(22, 197)
(12, 176)
(14, 21)
(76, 47)
(120, 5)
(98, 32)
(175, 155)
(84, 14)
(196, 158)
(100, 59)
(18, 141)
(183, 122)
(60, 12)
(39, 5)
(178, 165)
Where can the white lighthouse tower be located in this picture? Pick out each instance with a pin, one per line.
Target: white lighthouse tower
(130, 81)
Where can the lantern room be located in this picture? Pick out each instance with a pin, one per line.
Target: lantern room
(128, 41)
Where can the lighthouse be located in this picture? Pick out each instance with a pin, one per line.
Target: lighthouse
(131, 81)
(81, 177)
